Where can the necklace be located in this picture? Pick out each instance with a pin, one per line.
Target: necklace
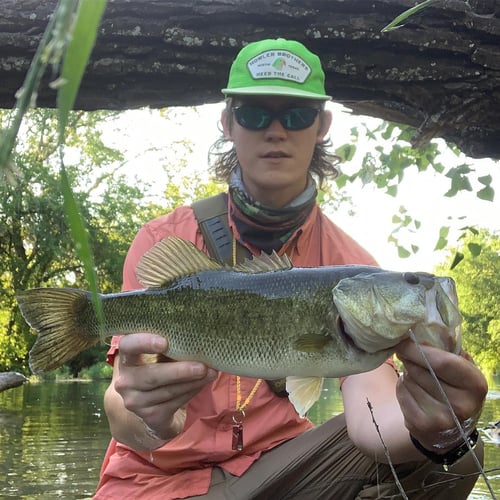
(239, 411)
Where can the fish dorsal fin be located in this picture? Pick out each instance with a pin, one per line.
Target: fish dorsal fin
(264, 263)
(171, 259)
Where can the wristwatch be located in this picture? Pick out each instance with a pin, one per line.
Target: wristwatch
(451, 456)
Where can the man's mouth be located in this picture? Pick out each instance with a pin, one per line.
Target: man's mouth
(275, 154)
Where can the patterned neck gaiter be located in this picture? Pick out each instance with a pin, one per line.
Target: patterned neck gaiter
(265, 227)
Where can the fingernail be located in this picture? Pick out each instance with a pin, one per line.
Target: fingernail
(198, 370)
(159, 343)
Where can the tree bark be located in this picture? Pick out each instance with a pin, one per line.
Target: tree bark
(440, 72)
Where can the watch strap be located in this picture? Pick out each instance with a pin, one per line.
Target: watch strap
(451, 456)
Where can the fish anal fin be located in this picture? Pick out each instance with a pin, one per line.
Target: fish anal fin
(303, 392)
(311, 342)
(171, 259)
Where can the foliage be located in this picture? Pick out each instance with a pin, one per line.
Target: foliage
(35, 247)
(101, 370)
(69, 38)
(386, 164)
(478, 287)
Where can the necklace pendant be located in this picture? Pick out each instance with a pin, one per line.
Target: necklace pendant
(237, 444)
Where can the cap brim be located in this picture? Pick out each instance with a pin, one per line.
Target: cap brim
(275, 90)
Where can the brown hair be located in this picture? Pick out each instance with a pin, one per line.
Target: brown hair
(225, 161)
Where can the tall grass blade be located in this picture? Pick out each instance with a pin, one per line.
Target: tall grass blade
(396, 23)
(45, 54)
(83, 35)
(80, 237)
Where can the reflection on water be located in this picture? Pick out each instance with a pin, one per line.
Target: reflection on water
(52, 440)
(53, 437)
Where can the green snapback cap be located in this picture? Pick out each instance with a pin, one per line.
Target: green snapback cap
(277, 67)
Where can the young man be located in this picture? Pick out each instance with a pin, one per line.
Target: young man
(173, 424)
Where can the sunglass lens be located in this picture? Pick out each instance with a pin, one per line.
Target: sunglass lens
(253, 117)
(298, 118)
(258, 118)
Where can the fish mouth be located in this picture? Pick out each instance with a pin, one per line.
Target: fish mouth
(443, 325)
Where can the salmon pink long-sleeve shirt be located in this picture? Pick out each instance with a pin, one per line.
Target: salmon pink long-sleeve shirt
(182, 467)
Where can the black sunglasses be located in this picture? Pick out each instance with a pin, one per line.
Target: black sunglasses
(259, 118)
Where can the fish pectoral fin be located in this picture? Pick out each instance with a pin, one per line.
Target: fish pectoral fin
(311, 342)
(303, 392)
(171, 259)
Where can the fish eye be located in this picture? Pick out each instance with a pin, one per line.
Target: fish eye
(411, 278)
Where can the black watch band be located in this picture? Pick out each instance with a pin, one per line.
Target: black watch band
(453, 455)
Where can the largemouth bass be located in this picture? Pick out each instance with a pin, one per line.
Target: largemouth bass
(263, 318)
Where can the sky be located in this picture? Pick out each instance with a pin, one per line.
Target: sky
(368, 219)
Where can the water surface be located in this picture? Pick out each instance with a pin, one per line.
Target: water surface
(53, 437)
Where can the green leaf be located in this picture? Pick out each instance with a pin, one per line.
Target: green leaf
(403, 253)
(320, 197)
(485, 180)
(458, 182)
(474, 249)
(444, 231)
(457, 258)
(341, 180)
(443, 238)
(461, 170)
(346, 152)
(441, 243)
(470, 229)
(392, 190)
(487, 193)
(84, 33)
(405, 15)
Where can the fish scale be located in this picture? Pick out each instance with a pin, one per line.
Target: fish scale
(258, 325)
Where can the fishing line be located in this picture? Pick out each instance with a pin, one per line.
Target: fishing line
(387, 454)
(452, 412)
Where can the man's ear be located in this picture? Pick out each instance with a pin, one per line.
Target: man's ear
(225, 120)
(325, 123)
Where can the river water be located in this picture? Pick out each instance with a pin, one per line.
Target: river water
(53, 436)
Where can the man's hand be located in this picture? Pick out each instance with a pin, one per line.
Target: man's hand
(426, 412)
(153, 392)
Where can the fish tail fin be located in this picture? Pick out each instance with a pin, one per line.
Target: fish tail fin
(54, 314)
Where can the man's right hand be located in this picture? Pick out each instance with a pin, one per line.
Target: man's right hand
(153, 393)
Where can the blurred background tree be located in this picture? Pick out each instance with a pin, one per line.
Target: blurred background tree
(478, 285)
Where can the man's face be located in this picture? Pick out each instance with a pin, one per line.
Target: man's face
(274, 160)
